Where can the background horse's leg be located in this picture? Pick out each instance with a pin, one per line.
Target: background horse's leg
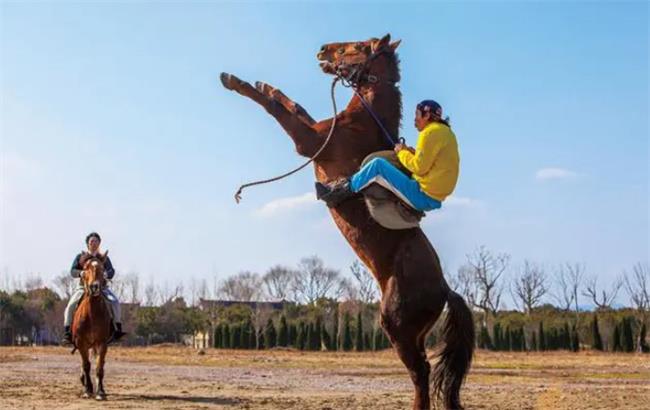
(86, 380)
(306, 138)
(99, 370)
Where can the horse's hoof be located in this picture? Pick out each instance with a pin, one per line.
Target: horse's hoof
(86, 395)
(100, 397)
(229, 81)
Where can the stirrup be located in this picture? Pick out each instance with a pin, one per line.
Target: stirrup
(334, 194)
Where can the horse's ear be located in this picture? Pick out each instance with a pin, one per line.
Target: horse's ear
(104, 256)
(383, 42)
(395, 44)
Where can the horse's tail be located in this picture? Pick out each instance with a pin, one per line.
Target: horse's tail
(456, 355)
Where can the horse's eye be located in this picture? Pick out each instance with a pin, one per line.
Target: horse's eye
(341, 50)
(358, 46)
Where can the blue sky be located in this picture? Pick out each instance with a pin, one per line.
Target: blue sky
(113, 120)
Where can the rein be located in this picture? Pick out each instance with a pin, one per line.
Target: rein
(293, 171)
(365, 104)
(350, 80)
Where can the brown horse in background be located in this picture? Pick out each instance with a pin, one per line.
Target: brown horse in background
(414, 291)
(91, 326)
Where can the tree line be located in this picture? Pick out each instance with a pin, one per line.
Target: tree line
(324, 309)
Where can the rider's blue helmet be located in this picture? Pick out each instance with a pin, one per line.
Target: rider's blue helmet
(430, 106)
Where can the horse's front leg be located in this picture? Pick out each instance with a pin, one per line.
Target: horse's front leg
(291, 106)
(299, 127)
(86, 380)
(99, 369)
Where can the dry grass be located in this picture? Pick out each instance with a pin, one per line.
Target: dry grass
(172, 377)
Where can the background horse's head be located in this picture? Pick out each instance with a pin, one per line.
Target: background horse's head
(360, 61)
(93, 274)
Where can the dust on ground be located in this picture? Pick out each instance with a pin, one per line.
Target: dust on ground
(172, 377)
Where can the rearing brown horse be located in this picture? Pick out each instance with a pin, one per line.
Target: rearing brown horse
(414, 291)
(91, 326)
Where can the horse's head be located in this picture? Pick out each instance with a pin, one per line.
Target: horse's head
(360, 61)
(93, 273)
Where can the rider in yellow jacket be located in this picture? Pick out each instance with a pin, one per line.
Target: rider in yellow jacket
(434, 165)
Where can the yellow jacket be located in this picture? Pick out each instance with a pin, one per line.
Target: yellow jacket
(435, 163)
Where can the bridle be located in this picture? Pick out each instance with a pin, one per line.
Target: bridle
(88, 288)
(350, 76)
(355, 74)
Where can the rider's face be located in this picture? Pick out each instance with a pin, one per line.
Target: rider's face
(93, 245)
(420, 120)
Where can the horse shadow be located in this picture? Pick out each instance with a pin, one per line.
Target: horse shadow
(223, 401)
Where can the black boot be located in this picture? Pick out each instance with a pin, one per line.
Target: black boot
(334, 193)
(117, 333)
(67, 337)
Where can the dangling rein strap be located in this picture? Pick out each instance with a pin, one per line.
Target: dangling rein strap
(387, 135)
(279, 177)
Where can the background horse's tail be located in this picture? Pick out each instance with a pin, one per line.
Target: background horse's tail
(456, 355)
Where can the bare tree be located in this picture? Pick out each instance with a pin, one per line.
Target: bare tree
(194, 289)
(65, 284)
(637, 285)
(278, 282)
(529, 286)
(366, 283)
(486, 269)
(347, 290)
(314, 281)
(168, 294)
(606, 298)
(260, 316)
(132, 287)
(203, 291)
(244, 287)
(33, 281)
(568, 278)
(5, 280)
(463, 283)
(150, 294)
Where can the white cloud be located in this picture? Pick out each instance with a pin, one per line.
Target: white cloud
(546, 174)
(286, 204)
(459, 201)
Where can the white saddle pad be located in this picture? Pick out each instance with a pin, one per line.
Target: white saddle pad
(387, 206)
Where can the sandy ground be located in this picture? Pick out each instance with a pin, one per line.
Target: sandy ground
(180, 378)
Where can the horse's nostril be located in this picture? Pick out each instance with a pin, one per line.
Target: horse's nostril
(322, 49)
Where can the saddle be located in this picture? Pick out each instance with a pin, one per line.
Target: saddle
(387, 206)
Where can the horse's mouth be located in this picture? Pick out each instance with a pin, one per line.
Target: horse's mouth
(327, 66)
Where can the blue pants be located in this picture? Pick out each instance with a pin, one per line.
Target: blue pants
(385, 174)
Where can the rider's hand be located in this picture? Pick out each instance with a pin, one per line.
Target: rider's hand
(399, 147)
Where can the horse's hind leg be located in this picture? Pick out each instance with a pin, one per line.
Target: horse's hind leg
(99, 370)
(86, 380)
(406, 333)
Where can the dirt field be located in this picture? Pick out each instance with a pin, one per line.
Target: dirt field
(179, 378)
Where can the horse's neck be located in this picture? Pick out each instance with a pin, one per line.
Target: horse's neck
(96, 305)
(385, 100)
